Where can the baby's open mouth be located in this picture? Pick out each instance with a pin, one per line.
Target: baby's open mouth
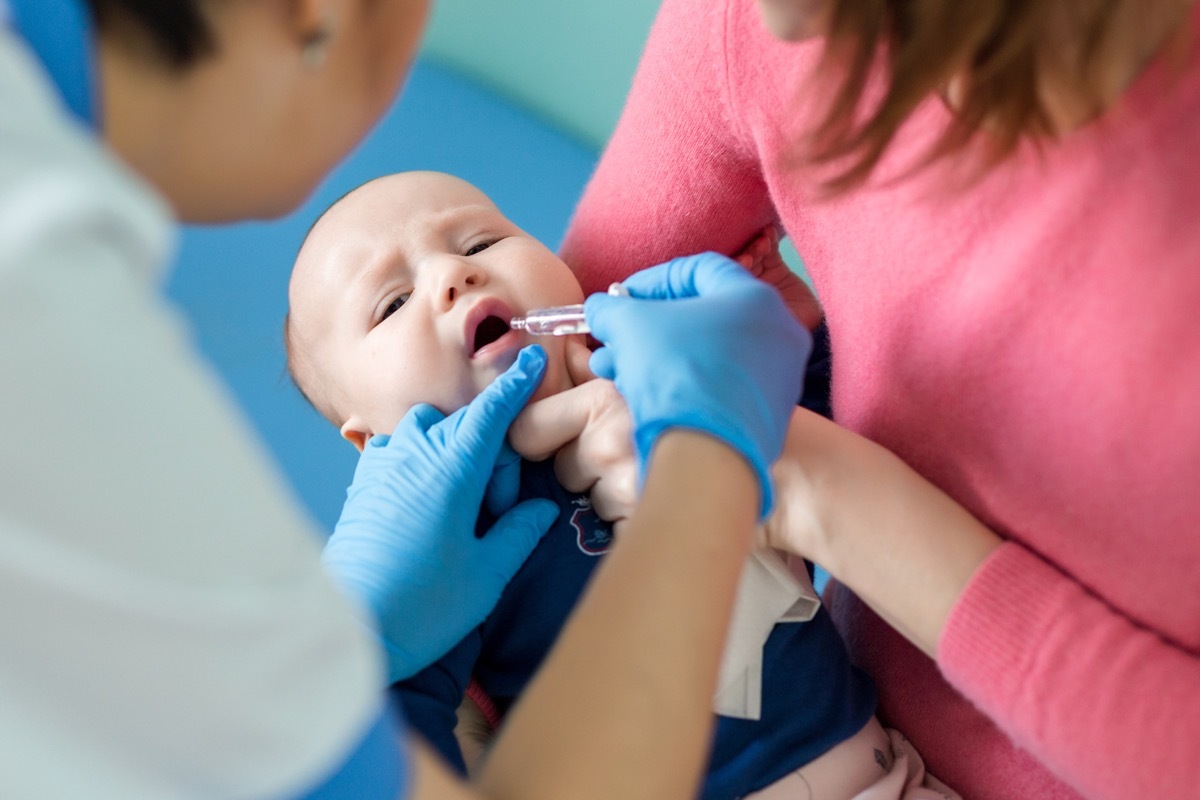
(491, 329)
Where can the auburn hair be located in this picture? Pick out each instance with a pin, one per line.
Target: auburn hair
(994, 51)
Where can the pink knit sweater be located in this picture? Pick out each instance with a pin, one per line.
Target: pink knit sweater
(1031, 344)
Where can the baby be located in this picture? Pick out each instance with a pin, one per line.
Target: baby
(401, 295)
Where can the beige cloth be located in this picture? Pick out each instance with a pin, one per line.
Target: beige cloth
(769, 592)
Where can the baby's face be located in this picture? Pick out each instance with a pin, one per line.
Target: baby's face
(402, 295)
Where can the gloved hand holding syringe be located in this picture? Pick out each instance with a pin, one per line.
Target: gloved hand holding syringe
(559, 320)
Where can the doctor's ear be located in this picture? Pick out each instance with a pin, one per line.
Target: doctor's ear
(352, 433)
(313, 25)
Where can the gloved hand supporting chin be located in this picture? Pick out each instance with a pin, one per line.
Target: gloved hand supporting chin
(702, 344)
(405, 545)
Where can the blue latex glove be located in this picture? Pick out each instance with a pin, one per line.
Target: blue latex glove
(723, 355)
(405, 545)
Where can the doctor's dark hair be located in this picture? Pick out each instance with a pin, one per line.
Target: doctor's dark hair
(176, 31)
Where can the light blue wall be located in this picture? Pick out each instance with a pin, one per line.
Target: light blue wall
(570, 61)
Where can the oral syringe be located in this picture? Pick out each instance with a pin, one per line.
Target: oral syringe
(553, 321)
(559, 320)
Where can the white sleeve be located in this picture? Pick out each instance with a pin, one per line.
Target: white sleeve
(167, 630)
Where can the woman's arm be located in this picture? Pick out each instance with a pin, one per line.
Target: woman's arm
(902, 545)
(676, 177)
(1111, 707)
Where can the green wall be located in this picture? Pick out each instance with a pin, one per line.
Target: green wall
(567, 60)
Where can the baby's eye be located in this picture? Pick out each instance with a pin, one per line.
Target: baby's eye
(479, 248)
(394, 306)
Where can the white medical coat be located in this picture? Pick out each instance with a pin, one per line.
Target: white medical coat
(167, 630)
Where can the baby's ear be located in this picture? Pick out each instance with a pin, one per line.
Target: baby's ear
(353, 433)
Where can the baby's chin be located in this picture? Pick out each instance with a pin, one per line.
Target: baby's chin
(556, 378)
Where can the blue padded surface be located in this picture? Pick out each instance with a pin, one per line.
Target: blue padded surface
(232, 281)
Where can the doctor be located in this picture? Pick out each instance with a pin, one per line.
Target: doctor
(168, 630)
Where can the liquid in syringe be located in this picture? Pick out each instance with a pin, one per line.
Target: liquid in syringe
(559, 320)
(554, 321)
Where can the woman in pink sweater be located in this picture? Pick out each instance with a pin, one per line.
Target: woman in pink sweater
(1014, 318)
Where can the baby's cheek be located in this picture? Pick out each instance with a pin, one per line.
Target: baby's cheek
(543, 392)
(482, 377)
(461, 399)
(557, 378)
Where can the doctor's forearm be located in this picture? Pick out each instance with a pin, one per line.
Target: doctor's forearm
(633, 674)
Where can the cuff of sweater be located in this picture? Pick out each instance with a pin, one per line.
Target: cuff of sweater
(990, 642)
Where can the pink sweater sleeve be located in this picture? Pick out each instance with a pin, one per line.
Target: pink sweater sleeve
(674, 179)
(1112, 707)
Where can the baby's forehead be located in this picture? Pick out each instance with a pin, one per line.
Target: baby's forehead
(407, 194)
(347, 221)
(320, 275)
(380, 213)
(397, 207)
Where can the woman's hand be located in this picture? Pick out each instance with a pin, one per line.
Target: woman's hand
(590, 433)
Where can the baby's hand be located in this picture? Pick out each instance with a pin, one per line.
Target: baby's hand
(589, 431)
(762, 260)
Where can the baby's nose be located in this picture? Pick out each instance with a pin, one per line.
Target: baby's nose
(459, 276)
